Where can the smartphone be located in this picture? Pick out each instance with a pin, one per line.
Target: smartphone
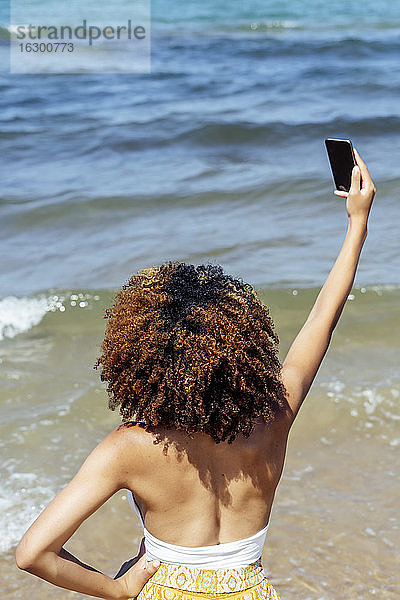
(342, 160)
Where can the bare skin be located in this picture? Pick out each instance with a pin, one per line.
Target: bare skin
(191, 489)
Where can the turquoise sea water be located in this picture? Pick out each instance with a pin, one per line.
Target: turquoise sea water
(216, 155)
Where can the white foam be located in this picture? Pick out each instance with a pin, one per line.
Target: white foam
(372, 401)
(277, 24)
(21, 314)
(21, 501)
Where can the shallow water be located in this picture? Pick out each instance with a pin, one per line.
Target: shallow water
(336, 513)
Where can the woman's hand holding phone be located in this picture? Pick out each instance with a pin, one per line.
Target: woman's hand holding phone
(359, 198)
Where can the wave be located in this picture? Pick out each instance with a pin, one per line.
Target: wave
(21, 499)
(167, 130)
(214, 133)
(253, 25)
(336, 45)
(19, 315)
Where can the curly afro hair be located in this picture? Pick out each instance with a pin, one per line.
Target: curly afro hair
(194, 349)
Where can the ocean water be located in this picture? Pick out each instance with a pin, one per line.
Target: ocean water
(216, 155)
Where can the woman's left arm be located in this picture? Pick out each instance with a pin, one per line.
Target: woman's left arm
(41, 551)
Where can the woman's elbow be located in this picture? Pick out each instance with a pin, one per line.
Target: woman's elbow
(25, 558)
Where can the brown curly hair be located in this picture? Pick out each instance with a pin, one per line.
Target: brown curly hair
(192, 348)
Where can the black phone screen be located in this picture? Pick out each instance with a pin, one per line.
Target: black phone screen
(341, 158)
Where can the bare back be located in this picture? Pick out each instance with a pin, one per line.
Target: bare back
(192, 489)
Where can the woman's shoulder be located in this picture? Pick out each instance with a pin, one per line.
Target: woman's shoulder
(127, 431)
(131, 435)
(121, 452)
(115, 443)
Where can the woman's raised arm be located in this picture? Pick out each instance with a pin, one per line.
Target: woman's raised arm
(308, 349)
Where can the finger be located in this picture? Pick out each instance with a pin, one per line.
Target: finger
(355, 180)
(341, 194)
(148, 566)
(359, 160)
(367, 181)
(143, 575)
(144, 565)
(152, 566)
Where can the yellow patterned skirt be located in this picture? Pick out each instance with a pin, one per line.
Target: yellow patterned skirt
(175, 582)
